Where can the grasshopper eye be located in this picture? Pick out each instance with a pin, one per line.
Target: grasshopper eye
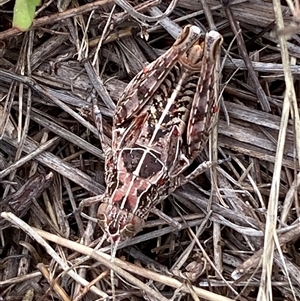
(128, 232)
(214, 42)
(189, 35)
(183, 36)
(102, 220)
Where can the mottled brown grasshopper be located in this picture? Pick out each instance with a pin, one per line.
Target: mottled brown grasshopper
(161, 124)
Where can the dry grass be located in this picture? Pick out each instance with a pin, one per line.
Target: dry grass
(240, 222)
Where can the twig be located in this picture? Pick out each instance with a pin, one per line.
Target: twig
(265, 289)
(242, 47)
(120, 264)
(141, 17)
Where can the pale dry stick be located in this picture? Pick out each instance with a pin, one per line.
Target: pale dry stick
(233, 171)
(292, 6)
(186, 253)
(6, 108)
(252, 182)
(286, 235)
(169, 220)
(28, 157)
(84, 40)
(245, 173)
(213, 154)
(292, 267)
(23, 62)
(260, 66)
(169, 25)
(185, 17)
(43, 7)
(208, 15)
(239, 65)
(112, 37)
(86, 239)
(295, 113)
(293, 27)
(250, 278)
(154, 234)
(284, 265)
(24, 127)
(104, 32)
(98, 84)
(141, 7)
(249, 282)
(230, 179)
(138, 16)
(242, 47)
(236, 183)
(86, 289)
(295, 116)
(74, 206)
(44, 120)
(265, 289)
(113, 252)
(34, 164)
(21, 280)
(63, 168)
(105, 259)
(226, 83)
(80, 261)
(40, 90)
(192, 293)
(289, 198)
(20, 106)
(56, 287)
(129, 49)
(223, 215)
(27, 229)
(215, 194)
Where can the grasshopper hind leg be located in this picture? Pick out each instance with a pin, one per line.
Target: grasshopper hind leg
(204, 166)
